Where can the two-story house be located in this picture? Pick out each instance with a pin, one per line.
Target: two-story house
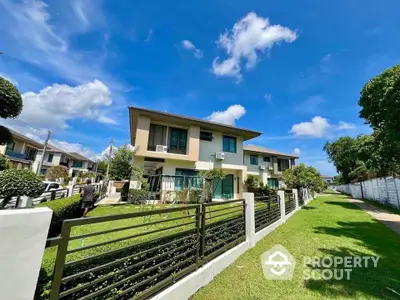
(74, 162)
(22, 151)
(176, 146)
(266, 163)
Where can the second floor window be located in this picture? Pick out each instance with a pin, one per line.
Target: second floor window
(50, 158)
(157, 136)
(229, 144)
(30, 153)
(77, 164)
(10, 147)
(177, 140)
(254, 160)
(283, 164)
(266, 159)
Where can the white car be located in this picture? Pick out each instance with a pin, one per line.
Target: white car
(49, 186)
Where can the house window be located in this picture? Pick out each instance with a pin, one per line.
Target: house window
(283, 164)
(50, 158)
(273, 183)
(186, 178)
(77, 164)
(206, 136)
(254, 160)
(43, 171)
(229, 144)
(30, 153)
(177, 140)
(266, 159)
(10, 147)
(157, 136)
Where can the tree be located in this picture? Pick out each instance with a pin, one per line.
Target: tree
(10, 99)
(15, 183)
(56, 172)
(5, 135)
(212, 178)
(380, 103)
(253, 182)
(4, 163)
(102, 167)
(121, 163)
(303, 176)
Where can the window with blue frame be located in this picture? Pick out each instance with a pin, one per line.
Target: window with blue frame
(254, 160)
(273, 183)
(77, 164)
(229, 144)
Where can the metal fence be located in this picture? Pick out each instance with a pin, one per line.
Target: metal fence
(267, 210)
(100, 188)
(290, 202)
(141, 253)
(54, 195)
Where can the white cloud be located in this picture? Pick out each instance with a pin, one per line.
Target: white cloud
(228, 116)
(54, 105)
(345, 126)
(189, 46)
(268, 97)
(296, 151)
(73, 147)
(319, 127)
(311, 105)
(248, 37)
(149, 36)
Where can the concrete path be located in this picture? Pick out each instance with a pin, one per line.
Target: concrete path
(389, 219)
(110, 199)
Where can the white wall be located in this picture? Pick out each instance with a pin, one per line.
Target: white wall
(208, 149)
(55, 161)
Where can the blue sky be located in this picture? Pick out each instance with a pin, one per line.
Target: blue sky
(290, 69)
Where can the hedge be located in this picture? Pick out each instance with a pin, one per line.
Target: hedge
(65, 208)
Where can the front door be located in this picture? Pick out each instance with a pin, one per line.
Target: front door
(224, 188)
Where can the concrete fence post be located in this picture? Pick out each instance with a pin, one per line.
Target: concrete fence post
(250, 219)
(23, 240)
(296, 197)
(281, 195)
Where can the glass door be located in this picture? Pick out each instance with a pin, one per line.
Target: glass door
(224, 188)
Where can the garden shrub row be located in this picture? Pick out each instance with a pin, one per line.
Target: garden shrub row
(65, 208)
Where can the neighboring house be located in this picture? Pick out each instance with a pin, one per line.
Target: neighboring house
(176, 148)
(74, 162)
(22, 151)
(328, 179)
(267, 164)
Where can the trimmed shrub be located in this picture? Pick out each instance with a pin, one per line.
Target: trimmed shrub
(138, 195)
(4, 163)
(252, 183)
(14, 183)
(10, 99)
(56, 172)
(66, 208)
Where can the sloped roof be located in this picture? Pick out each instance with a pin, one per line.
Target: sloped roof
(185, 120)
(258, 149)
(78, 156)
(26, 139)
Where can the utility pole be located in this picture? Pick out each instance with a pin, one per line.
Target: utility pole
(109, 156)
(44, 152)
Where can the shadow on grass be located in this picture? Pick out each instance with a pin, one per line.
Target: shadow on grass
(346, 205)
(308, 207)
(382, 282)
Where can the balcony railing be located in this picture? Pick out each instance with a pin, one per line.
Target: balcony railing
(16, 155)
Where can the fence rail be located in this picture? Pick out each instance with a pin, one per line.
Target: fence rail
(143, 252)
(267, 210)
(290, 203)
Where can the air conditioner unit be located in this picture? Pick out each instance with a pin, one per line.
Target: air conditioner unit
(161, 148)
(262, 167)
(219, 155)
(271, 168)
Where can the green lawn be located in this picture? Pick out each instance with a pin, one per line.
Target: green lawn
(329, 226)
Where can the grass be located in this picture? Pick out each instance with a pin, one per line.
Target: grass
(50, 253)
(328, 226)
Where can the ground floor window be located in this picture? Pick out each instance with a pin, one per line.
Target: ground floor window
(43, 171)
(187, 178)
(223, 189)
(273, 183)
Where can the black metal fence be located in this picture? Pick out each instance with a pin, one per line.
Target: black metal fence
(290, 203)
(267, 210)
(136, 255)
(100, 188)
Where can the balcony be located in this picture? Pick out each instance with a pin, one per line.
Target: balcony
(17, 155)
(65, 164)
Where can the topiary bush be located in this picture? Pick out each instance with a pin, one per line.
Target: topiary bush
(56, 172)
(5, 135)
(65, 208)
(137, 196)
(10, 99)
(14, 183)
(252, 183)
(4, 163)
